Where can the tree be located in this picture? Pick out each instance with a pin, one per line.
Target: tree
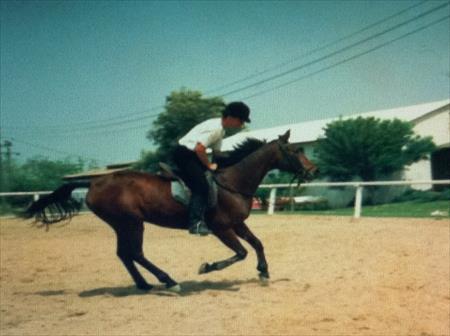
(183, 110)
(40, 173)
(369, 148)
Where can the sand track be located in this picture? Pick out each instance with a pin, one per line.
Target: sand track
(329, 276)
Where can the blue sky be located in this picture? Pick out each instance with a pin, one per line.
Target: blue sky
(68, 64)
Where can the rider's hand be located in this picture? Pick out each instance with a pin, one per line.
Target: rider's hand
(213, 166)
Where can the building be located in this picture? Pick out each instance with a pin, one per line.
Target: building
(429, 119)
(86, 175)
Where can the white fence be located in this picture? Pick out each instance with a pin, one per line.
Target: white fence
(359, 186)
(36, 194)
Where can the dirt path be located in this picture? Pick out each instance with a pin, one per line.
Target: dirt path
(330, 276)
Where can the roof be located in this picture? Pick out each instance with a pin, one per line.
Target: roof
(310, 131)
(112, 168)
(92, 173)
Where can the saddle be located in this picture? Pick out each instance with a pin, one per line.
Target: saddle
(180, 191)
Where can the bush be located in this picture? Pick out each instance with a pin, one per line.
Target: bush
(420, 196)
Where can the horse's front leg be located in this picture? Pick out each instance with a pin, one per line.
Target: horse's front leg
(244, 232)
(228, 237)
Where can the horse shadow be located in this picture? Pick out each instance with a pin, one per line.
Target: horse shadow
(187, 288)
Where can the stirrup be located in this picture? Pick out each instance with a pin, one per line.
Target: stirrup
(199, 228)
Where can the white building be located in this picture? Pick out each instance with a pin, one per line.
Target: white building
(430, 119)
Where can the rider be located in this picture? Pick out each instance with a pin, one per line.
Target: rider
(192, 161)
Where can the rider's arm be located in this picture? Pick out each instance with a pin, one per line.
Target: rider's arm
(200, 150)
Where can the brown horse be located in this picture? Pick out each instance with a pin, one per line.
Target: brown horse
(126, 200)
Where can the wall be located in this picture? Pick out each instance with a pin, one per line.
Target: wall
(436, 125)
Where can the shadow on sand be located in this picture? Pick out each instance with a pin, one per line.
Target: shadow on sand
(187, 288)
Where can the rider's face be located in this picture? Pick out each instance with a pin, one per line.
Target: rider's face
(232, 122)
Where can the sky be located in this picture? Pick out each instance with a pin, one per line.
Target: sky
(87, 78)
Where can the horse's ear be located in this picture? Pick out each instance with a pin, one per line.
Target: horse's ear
(285, 137)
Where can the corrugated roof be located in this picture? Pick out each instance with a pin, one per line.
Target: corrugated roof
(309, 131)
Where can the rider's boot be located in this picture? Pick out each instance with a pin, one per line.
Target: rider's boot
(197, 209)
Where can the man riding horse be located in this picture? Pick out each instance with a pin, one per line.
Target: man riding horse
(192, 161)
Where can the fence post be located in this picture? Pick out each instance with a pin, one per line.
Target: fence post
(358, 201)
(272, 200)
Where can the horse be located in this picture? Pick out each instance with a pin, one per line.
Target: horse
(127, 199)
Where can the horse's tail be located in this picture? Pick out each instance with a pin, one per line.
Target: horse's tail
(57, 206)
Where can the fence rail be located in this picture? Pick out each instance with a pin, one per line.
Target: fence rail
(357, 185)
(273, 190)
(35, 194)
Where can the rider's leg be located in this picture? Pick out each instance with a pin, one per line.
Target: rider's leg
(193, 173)
(197, 206)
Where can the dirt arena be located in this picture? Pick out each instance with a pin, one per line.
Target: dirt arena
(329, 276)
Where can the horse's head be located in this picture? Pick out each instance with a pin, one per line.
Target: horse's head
(292, 159)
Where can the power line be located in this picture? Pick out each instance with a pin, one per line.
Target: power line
(348, 59)
(290, 82)
(339, 51)
(107, 124)
(160, 107)
(138, 119)
(53, 150)
(311, 52)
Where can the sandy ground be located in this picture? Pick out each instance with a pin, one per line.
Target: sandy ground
(330, 276)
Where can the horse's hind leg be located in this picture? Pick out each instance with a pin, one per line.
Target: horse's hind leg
(126, 252)
(136, 236)
(229, 238)
(244, 232)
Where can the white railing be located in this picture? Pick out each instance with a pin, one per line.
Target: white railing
(273, 190)
(357, 185)
(35, 194)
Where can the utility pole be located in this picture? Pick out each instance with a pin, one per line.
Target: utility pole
(1, 167)
(5, 165)
(5, 168)
(2, 176)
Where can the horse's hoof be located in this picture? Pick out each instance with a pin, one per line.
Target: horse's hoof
(175, 289)
(204, 268)
(264, 279)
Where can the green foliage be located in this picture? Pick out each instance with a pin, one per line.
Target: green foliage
(412, 195)
(39, 173)
(183, 110)
(275, 177)
(36, 174)
(369, 148)
(403, 209)
(149, 161)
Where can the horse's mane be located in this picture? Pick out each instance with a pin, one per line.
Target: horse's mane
(239, 152)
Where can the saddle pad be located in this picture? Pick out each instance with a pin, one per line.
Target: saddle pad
(182, 194)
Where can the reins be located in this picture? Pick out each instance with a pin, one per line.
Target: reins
(232, 190)
(299, 176)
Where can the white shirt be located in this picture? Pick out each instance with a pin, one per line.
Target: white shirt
(209, 133)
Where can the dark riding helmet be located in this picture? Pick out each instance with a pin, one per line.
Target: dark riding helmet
(237, 110)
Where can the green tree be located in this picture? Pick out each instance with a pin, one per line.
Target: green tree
(369, 148)
(40, 173)
(183, 110)
(36, 174)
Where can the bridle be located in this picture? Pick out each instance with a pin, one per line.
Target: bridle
(297, 168)
(230, 189)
